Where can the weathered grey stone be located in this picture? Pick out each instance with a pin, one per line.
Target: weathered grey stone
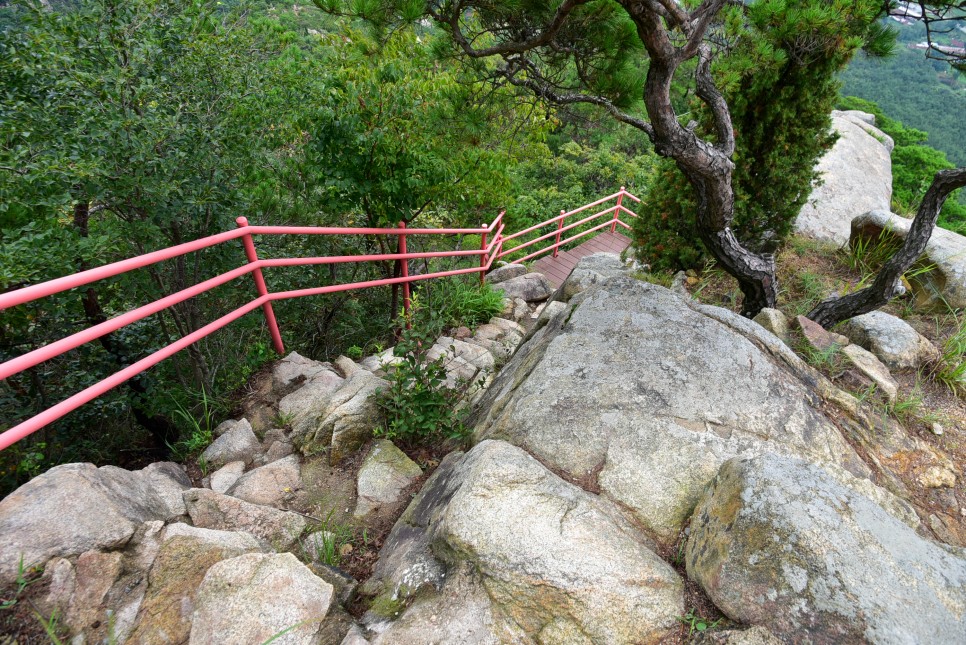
(521, 310)
(937, 477)
(185, 555)
(866, 121)
(508, 326)
(505, 272)
(891, 339)
(776, 541)
(208, 509)
(460, 614)
(472, 354)
(589, 271)
(355, 637)
(345, 421)
(857, 177)
(384, 475)
(545, 550)
(351, 418)
(774, 321)
(346, 366)
(672, 391)
(270, 484)
(254, 597)
(306, 407)
(278, 450)
(944, 286)
(238, 444)
(224, 427)
(757, 635)
(870, 366)
(532, 287)
(75, 508)
(295, 369)
(226, 476)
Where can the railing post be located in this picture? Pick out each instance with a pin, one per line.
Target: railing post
(262, 288)
(617, 211)
(405, 273)
(556, 248)
(483, 256)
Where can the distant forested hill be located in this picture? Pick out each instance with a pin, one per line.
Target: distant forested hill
(921, 93)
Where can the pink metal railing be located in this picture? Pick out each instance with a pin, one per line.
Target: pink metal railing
(616, 210)
(488, 253)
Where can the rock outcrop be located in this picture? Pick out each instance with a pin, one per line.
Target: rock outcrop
(545, 558)
(778, 542)
(855, 176)
(75, 508)
(636, 391)
(891, 339)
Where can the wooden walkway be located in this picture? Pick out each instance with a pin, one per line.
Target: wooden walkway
(558, 268)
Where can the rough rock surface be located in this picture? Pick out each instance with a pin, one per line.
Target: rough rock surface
(237, 444)
(384, 474)
(226, 476)
(253, 598)
(673, 390)
(352, 416)
(774, 321)
(551, 557)
(185, 554)
(75, 508)
(208, 509)
(295, 369)
(891, 339)
(506, 272)
(589, 271)
(305, 407)
(857, 177)
(531, 287)
(778, 542)
(871, 367)
(269, 484)
(945, 253)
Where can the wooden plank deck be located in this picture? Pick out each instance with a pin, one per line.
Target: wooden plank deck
(558, 268)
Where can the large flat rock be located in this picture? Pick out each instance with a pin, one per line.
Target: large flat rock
(645, 395)
(855, 176)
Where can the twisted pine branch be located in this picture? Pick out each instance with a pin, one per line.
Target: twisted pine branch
(834, 310)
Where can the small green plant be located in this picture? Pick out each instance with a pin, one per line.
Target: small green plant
(419, 407)
(461, 302)
(662, 278)
(283, 419)
(25, 576)
(697, 623)
(328, 547)
(51, 626)
(199, 433)
(354, 352)
(950, 369)
(827, 360)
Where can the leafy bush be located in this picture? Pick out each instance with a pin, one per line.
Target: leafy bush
(464, 302)
(419, 407)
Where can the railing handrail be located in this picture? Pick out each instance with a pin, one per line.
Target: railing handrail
(488, 253)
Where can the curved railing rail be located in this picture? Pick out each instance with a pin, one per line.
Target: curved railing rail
(487, 253)
(615, 221)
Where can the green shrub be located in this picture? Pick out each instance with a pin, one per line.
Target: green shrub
(419, 408)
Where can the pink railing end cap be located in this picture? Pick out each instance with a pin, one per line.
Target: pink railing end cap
(241, 221)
